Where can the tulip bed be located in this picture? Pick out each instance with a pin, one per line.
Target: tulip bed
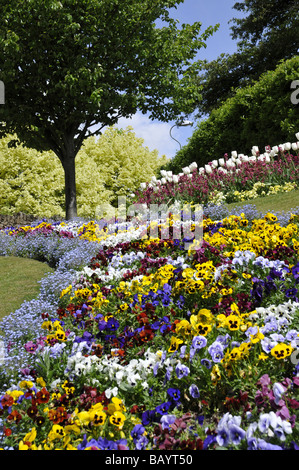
(230, 179)
(140, 343)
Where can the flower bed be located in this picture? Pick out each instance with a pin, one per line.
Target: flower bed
(227, 179)
(137, 343)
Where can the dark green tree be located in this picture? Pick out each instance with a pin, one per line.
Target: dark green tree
(260, 114)
(72, 67)
(267, 33)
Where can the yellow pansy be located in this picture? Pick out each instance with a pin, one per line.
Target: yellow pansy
(116, 404)
(30, 436)
(117, 419)
(183, 327)
(205, 316)
(233, 322)
(66, 291)
(40, 381)
(15, 394)
(281, 350)
(98, 417)
(84, 418)
(222, 320)
(57, 432)
(174, 344)
(258, 336)
(26, 384)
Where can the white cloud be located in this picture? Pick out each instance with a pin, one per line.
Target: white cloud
(154, 133)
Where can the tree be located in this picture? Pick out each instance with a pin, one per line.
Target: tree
(72, 67)
(267, 33)
(260, 114)
(107, 167)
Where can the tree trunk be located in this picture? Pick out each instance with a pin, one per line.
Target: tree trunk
(68, 163)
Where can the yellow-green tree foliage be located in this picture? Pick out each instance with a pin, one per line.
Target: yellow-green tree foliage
(106, 167)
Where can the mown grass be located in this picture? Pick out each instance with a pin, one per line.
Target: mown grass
(19, 281)
(282, 202)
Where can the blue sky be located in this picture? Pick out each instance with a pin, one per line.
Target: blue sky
(209, 13)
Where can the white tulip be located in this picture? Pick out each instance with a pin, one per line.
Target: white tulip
(287, 146)
(208, 169)
(221, 161)
(214, 163)
(201, 170)
(234, 154)
(295, 146)
(255, 150)
(222, 170)
(193, 166)
(252, 158)
(163, 173)
(163, 180)
(186, 170)
(142, 185)
(169, 173)
(175, 179)
(297, 136)
(230, 164)
(275, 149)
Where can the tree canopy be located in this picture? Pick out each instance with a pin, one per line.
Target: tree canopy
(260, 114)
(266, 33)
(72, 67)
(112, 165)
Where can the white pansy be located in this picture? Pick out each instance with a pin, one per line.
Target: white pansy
(111, 392)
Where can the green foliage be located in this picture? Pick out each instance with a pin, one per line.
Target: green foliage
(30, 181)
(260, 114)
(70, 66)
(267, 32)
(113, 165)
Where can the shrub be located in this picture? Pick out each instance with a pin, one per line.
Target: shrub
(260, 114)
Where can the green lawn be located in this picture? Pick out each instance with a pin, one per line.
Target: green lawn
(282, 202)
(19, 281)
